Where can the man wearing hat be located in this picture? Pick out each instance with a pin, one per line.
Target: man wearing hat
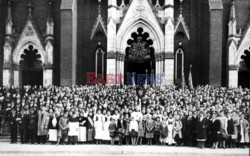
(43, 121)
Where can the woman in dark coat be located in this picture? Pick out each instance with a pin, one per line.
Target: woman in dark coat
(201, 129)
(90, 128)
(215, 130)
(112, 128)
(189, 128)
(230, 129)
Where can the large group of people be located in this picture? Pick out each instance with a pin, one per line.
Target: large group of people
(206, 116)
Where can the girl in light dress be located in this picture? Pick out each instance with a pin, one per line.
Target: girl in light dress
(170, 123)
(106, 121)
(141, 131)
(133, 129)
(98, 125)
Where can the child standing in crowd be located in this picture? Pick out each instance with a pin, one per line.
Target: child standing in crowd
(63, 128)
(150, 130)
(157, 130)
(112, 128)
(127, 121)
(141, 131)
(133, 129)
(121, 126)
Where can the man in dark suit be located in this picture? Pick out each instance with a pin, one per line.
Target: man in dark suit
(32, 125)
(13, 126)
(183, 130)
(23, 126)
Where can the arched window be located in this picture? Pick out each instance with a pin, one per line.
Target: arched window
(99, 55)
(179, 64)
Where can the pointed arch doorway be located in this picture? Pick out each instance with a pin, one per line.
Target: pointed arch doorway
(31, 69)
(139, 58)
(244, 70)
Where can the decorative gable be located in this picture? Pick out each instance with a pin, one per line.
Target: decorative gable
(140, 9)
(244, 44)
(140, 13)
(182, 27)
(98, 27)
(28, 36)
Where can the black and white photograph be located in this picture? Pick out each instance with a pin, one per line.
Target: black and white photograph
(124, 77)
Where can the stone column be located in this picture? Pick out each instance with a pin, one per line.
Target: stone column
(169, 42)
(122, 66)
(111, 37)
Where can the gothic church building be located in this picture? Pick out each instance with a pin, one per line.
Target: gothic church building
(59, 42)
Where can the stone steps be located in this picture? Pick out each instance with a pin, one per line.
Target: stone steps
(7, 149)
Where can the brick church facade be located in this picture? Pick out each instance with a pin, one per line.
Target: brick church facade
(57, 42)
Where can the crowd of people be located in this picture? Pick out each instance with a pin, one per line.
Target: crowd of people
(206, 116)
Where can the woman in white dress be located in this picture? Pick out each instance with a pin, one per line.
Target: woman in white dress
(106, 121)
(53, 126)
(170, 123)
(98, 125)
(116, 116)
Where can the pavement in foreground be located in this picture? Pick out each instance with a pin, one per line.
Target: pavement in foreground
(7, 149)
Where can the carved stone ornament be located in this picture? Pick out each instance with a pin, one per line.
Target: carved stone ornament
(139, 48)
(29, 31)
(140, 7)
